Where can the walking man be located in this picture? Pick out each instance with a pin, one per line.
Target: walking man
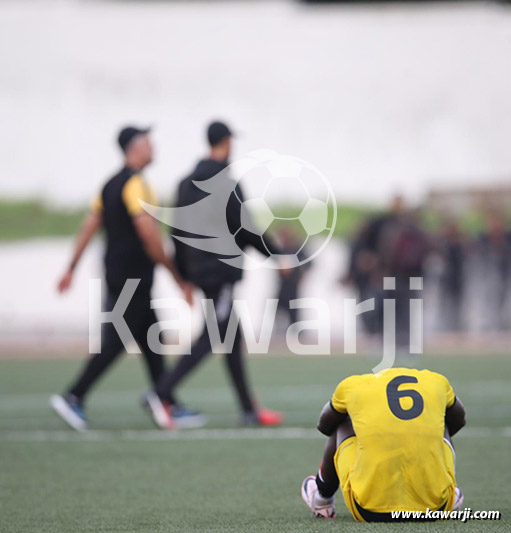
(216, 279)
(133, 247)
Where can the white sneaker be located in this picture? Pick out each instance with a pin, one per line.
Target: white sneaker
(459, 498)
(70, 411)
(159, 411)
(320, 507)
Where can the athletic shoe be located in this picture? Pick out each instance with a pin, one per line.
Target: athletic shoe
(262, 417)
(266, 417)
(459, 498)
(185, 418)
(167, 416)
(320, 507)
(160, 412)
(249, 419)
(69, 409)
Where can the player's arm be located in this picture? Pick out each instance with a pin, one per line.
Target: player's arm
(180, 249)
(243, 237)
(246, 238)
(455, 417)
(148, 230)
(90, 226)
(330, 419)
(149, 233)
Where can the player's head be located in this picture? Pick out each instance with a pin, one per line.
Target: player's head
(137, 146)
(219, 139)
(397, 204)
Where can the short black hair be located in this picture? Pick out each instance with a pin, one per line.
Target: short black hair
(127, 134)
(217, 132)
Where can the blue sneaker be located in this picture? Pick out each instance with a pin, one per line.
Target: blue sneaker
(185, 418)
(69, 409)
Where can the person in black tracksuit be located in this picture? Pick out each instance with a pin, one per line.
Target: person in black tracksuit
(133, 247)
(216, 279)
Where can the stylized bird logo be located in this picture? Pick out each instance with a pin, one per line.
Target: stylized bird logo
(206, 219)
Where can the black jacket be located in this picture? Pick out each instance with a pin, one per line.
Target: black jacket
(202, 268)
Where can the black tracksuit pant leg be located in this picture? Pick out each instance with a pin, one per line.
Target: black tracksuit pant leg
(139, 316)
(222, 300)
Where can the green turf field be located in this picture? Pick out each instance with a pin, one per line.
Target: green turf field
(126, 476)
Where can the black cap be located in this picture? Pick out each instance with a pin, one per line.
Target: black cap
(127, 134)
(217, 131)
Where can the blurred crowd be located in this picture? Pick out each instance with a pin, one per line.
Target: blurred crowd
(466, 281)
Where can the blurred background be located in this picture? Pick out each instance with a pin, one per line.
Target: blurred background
(404, 107)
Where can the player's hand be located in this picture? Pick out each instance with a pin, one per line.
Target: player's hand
(187, 289)
(285, 267)
(65, 281)
(346, 280)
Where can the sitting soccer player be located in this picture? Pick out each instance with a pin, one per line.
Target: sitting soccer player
(389, 446)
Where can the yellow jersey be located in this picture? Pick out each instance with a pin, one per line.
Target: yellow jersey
(401, 461)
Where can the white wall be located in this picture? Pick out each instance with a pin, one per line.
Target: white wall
(379, 98)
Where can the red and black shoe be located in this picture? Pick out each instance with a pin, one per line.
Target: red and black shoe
(263, 417)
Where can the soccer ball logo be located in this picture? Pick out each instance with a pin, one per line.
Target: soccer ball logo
(294, 201)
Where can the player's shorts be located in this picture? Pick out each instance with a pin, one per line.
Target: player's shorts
(344, 459)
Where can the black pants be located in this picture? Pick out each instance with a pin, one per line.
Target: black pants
(288, 291)
(139, 317)
(222, 299)
(403, 296)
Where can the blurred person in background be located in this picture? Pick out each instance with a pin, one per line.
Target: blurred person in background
(494, 251)
(133, 247)
(289, 285)
(406, 248)
(453, 252)
(388, 245)
(216, 279)
(363, 274)
(369, 261)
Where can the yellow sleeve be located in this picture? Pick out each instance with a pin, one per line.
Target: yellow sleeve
(96, 205)
(338, 400)
(134, 190)
(449, 392)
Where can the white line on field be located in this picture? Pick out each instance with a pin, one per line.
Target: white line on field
(199, 435)
(156, 435)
